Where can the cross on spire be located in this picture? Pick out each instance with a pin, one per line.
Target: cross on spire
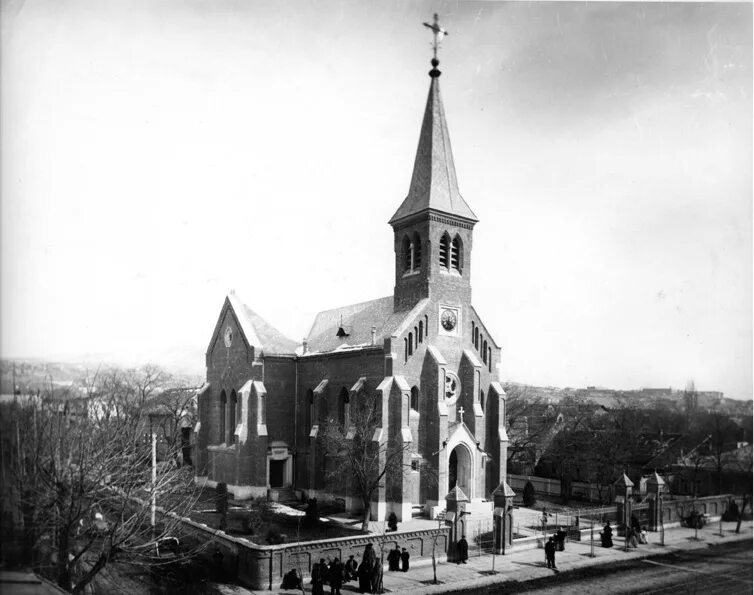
(460, 412)
(437, 34)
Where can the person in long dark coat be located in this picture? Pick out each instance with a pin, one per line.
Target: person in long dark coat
(365, 576)
(394, 558)
(607, 535)
(560, 537)
(336, 577)
(324, 570)
(318, 583)
(550, 553)
(351, 568)
(404, 560)
(463, 550)
(370, 556)
(375, 582)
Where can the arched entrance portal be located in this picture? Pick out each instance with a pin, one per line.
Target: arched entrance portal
(459, 469)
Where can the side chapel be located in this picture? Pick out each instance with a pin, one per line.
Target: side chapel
(424, 352)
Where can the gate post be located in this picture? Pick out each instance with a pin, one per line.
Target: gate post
(655, 489)
(623, 488)
(502, 517)
(456, 508)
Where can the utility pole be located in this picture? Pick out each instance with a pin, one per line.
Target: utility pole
(154, 476)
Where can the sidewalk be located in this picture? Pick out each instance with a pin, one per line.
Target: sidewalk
(529, 564)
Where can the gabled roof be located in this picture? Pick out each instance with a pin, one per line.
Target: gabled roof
(433, 183)
(256, 330)
(357, 321)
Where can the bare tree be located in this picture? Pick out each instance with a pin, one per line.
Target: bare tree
(532, 425)
(361, 456)
(84, 483)
(169, 413)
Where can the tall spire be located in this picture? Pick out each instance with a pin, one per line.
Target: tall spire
(433, 183)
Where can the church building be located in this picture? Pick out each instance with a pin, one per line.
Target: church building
(423, 352)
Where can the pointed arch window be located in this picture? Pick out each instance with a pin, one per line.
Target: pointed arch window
(344, 399)
(411, 343)
(407, 256)
(232, 417)
(223, 410)
(417, 246)
(489, 359)
(405, 349)
(456, 254)
(484, 352)
(476, 338)
(415, 398)
(444, 250)
(421, 331)
(481, 399)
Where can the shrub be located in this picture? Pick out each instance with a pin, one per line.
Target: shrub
(530, 495)
(273, 536)
(392, 522)
(312, 512)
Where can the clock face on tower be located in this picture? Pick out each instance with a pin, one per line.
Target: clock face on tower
(448, 319)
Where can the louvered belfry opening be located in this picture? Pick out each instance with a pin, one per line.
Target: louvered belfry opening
(455, 254)
(444, 250)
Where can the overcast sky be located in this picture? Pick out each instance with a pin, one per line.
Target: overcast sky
(157, 154)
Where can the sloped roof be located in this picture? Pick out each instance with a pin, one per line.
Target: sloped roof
(357, 321)
(433, 183)
(258, 332)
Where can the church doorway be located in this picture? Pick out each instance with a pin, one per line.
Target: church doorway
(277, 473)
(459, 469)
(279, 465)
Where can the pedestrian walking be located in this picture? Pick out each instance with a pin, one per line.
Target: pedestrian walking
(404, 560)
(351, 569)
(318, 583)
(463, 550)
(394, 558)
(550, 553)
(375, 581)
(365, 577)
(336, 577)
(560, 538)
(607, 535)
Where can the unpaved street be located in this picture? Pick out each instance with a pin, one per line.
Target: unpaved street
(724, 569)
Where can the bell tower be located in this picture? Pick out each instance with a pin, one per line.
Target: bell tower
(433, 226)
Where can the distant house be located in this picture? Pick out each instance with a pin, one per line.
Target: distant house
(705, 474)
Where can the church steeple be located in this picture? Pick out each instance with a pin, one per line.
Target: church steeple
(433, 226)
(433, 183)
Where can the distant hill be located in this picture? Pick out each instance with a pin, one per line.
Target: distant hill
(38, 374)
(645, 397)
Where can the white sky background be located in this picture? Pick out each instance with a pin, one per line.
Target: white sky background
(156, 154)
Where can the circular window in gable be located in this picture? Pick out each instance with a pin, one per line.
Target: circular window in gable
(452, 388)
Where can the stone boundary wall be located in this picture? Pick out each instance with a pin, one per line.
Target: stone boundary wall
(673, 511)
(551, 487)
(263, 566)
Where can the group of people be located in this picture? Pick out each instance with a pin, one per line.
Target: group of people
(333, 573)
(397, 559)
(635, 533)
(555, 543)
(368, 573)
